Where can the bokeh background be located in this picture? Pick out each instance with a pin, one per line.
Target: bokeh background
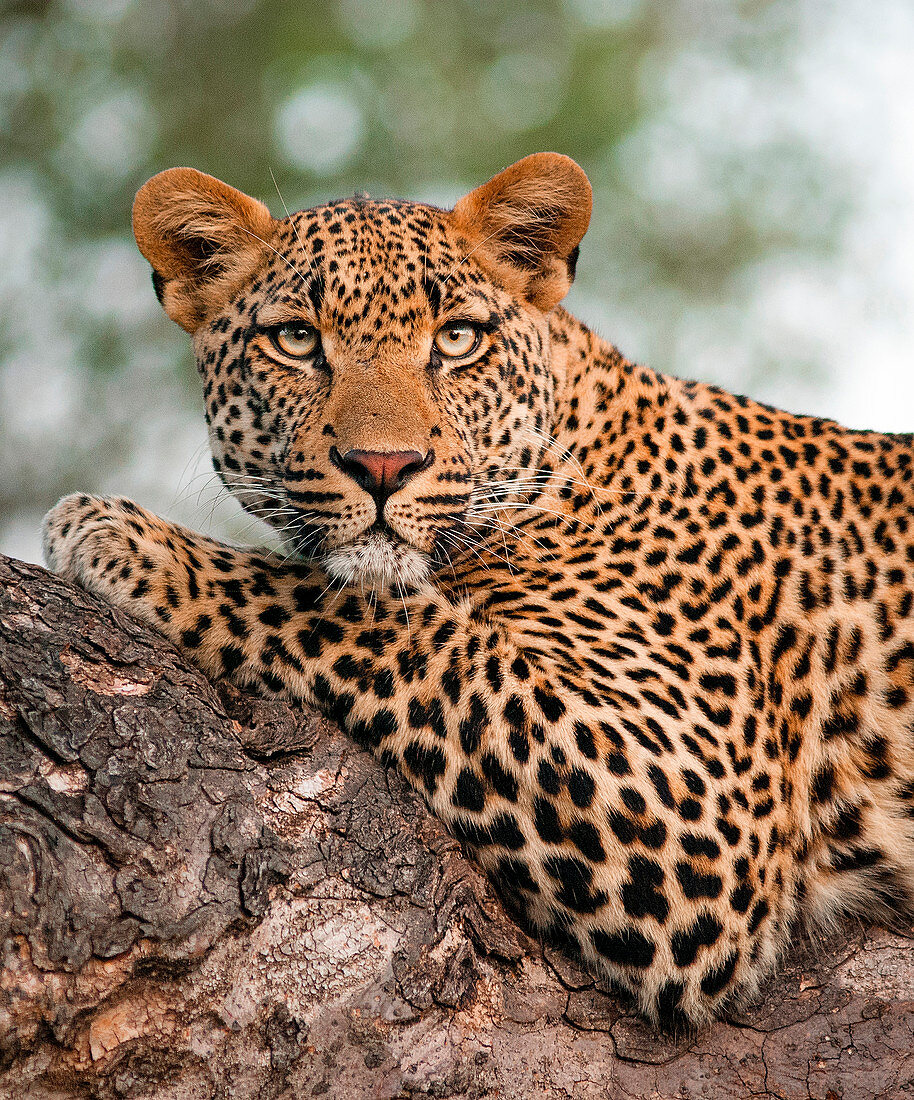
(753, 164)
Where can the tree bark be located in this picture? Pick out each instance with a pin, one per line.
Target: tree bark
(204, 894)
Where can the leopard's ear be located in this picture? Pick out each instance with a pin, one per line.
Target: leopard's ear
(202, 238)
(529, 220)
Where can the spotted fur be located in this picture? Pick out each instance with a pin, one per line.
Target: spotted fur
(645, 646)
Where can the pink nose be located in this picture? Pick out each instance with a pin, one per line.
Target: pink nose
(381, 472)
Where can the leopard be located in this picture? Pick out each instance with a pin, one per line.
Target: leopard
(644, 646)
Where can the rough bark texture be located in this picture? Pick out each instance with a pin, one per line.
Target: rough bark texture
(203, 894)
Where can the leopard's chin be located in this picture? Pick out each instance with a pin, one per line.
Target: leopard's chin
(377, 560)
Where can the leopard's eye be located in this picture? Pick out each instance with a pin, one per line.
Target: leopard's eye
(296, 340)
(458, 340)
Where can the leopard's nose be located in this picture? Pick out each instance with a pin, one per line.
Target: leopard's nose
(381, 473)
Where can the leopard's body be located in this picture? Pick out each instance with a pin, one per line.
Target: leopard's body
(645, 646)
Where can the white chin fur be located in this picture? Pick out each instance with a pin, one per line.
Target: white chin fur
(375, 561)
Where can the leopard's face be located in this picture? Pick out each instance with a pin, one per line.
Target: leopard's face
(369, 386)
(374, 371)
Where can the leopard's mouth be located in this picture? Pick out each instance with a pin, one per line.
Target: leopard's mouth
(377, 559)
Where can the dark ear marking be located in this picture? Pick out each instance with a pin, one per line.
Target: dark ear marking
(158, 285)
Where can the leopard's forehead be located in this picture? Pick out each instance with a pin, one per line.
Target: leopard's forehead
(357, 256)
(358, 238)
(354, 223)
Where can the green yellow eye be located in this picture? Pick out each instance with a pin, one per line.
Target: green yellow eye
(457, 340)
(296, 340)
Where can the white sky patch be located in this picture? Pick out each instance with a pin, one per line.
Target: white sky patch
(604, 13)
(871, 119)
(25, 226)
(111, 139)
(114, 282)
(46, 395)
(720, 141)
(320, 128)
(522, 90)
(378, 24)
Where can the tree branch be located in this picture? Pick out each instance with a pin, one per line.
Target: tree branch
(207, 894)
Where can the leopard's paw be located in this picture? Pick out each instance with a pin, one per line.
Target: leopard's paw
(64, 530)
(85, 539)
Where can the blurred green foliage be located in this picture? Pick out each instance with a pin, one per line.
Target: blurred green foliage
(712, 185)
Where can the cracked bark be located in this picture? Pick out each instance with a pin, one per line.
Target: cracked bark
(203, 894)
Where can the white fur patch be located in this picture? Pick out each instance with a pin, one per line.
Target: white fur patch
(375, 561)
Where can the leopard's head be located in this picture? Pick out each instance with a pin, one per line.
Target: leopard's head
(371, 369)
